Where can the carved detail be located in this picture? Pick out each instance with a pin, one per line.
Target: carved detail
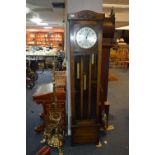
(86, 14)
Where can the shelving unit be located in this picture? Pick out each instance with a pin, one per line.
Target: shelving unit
(44, 39)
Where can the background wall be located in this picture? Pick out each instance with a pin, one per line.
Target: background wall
(78, 5)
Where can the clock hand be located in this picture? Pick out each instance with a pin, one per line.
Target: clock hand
(87, 35)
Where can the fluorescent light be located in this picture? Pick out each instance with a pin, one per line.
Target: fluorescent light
(123, 28)
(32, 30)
(119, 6)
(48, 27)
(36, 20)
(43, 24)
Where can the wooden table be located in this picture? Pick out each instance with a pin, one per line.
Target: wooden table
(43, 96)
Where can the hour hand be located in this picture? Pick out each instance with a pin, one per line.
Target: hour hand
(87, 35)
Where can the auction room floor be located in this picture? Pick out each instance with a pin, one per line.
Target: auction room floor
(117, 139)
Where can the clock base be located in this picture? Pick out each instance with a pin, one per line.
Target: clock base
(85, 132)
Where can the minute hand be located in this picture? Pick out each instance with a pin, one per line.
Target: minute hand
(87, 35)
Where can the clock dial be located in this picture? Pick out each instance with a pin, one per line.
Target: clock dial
(86, 37)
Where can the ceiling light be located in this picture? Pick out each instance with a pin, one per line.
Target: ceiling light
(31, 30)
(72, 15)
(120, 6)
(43, 24)
(36, 20)
(28, 10)
(48, 27)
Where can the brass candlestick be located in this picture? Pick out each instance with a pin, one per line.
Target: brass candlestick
(53, 131)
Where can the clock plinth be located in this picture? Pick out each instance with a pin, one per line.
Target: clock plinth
(86, 33)
(85, 132)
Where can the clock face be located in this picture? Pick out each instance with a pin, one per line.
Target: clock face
(86, 37)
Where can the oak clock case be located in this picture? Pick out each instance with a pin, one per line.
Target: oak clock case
(86, 53)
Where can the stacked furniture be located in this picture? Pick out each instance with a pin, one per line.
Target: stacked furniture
(119, 56)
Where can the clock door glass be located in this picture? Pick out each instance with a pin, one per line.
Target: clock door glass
(86, 37)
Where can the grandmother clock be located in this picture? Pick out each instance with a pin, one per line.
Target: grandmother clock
(86, 52)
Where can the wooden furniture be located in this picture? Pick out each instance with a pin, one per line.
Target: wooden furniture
(44, 96)
(60, 79)
(119, 55)
(107, 43)
(89, 72)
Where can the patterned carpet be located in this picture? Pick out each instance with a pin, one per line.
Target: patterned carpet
(117, 139)
(112, 77)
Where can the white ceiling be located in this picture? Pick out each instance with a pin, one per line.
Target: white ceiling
(116, 1)
(55, 16)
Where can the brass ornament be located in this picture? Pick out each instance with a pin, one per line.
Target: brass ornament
(78, 72)
(92, 59)
(53, 132)
(85, 80)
